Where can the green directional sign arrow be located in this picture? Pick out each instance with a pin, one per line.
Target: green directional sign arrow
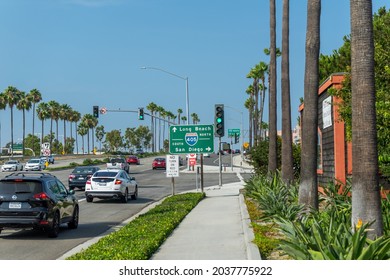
(234, 131)
(191, 139)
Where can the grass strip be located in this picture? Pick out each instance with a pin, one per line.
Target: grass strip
(141, 238)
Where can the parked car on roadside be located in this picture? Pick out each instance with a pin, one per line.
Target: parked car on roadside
(36, 200)
(80, 175)
(159, 163)
(12, 165)
(35, 164)
(133, 160)
(111, 183)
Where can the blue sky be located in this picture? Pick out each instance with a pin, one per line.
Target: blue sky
(90, 52)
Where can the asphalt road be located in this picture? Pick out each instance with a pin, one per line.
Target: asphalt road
(99, 216)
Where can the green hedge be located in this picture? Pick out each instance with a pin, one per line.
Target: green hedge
(139, 239)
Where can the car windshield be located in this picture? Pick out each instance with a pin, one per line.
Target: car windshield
(11, 162)
(34, 161)
(160, 159)
(114, 160)
(105, 174)
(10, 187)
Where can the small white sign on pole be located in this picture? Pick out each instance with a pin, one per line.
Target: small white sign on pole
(172, 166)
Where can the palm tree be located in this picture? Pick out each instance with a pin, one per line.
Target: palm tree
(65, 115)
(82, 130)
(195, 118)
(90, 122)
(35, 97)
(11, 98)
(160, 111)
(287, 155)
(250, 102)
(366, 201)
(76, 117)
(24, 103)
(184, 118)
(272, 151)
(54, 108)
(43, 113)
(179, 112)
(152, 107)
(308, 189)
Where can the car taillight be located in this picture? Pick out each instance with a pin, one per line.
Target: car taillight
(72, 176)
(41, 196)
(118, 182)
(88, 182)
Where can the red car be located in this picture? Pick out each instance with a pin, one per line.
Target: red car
(133, 160)
(158, 163)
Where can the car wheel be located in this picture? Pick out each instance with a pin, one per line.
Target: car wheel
(75, 219)
(89, 199)
(71, 188)
(125, 198)
(135, 194)
(55, 227)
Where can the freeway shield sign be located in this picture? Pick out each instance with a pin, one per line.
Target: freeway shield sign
(191, 139)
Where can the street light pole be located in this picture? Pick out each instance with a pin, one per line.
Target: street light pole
(180, 77)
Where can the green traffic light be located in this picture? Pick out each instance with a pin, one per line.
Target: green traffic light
(219, 120)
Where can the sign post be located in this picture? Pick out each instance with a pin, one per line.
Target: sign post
(172, 169)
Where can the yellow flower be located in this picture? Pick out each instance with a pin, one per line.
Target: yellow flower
(359, 224)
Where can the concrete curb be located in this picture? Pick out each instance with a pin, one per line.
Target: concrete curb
(252, 250)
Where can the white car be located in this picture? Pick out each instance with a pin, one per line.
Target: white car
(35, 164)
(111, 183)
(12, 165)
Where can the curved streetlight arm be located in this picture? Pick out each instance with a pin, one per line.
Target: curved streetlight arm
(180, 77)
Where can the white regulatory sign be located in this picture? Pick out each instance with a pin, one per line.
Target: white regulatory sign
(172, 166)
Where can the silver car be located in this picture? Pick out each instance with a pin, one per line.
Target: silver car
(35, 164)
(12, 165)
(111, 183)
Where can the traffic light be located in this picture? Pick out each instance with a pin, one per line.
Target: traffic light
(141, 114)
(236, 138)
(219, 120)
(96, 111)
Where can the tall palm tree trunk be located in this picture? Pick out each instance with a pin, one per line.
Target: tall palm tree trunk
(287, 155)
(24, 130)
(33, 128)
(272, 151)
(308, 189)
(12, 131)
(366, 201)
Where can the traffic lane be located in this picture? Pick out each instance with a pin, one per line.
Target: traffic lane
(97, 217)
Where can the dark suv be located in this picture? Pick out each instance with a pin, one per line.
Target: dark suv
(36, 200)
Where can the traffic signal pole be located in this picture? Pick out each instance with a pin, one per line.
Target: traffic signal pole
(220, 162)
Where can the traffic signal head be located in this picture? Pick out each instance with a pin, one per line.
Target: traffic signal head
(219, 120)
(236, 138)
(96, 111)
(141, 114)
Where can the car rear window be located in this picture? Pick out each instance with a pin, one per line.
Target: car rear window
(105, 174)
(83, 171)
(17, 186)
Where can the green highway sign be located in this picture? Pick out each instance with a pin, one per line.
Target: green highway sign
(191, 139)
(233, 131)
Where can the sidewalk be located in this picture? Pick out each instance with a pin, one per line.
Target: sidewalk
(218, 228)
